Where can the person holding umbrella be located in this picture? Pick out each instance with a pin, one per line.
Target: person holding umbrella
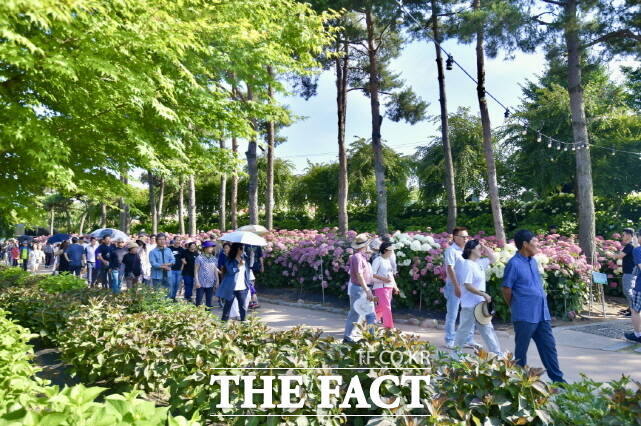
(236, 281)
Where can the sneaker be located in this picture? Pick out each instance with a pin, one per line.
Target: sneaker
(347, 341)
(473, 345)
(632, 337)
(449, 345)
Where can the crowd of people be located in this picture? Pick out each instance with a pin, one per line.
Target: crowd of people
(198, 269)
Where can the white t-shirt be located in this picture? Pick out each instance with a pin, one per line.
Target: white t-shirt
(384, 268)
(452, 254)
(240, 278)
(471, 272)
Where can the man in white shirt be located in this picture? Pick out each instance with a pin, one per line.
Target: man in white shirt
(452, 287)
(90, 254)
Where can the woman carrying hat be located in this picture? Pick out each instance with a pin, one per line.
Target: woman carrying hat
(475, 302)
(384, 283)
(206, 273)
(360, 273)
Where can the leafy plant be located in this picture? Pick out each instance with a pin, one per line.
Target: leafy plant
(62, 283)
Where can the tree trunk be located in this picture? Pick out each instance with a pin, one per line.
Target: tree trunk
(234, 189)
(222, 214)
(83, 218)
(123, 217)
(161, 199)
(103, 215)
(341, 103)
(152, 204)
(585, 201)
(181, 205)
(493, 188)
(450, 186)
(53, 218)
(271, 144)
(252, 170)
(191, 195)
(377, 119)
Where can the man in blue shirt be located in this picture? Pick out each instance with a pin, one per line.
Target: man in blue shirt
(635, 298)
(523, 292)
(75, 255)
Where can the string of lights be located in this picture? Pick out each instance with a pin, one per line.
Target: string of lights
(540, 136)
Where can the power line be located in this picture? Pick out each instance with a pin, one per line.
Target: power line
(558, 144)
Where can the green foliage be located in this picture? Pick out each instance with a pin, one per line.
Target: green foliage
(62, 283)
(11, 277)
(28, 400)
(591, 403)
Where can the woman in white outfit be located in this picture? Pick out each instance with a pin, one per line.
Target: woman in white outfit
(36, 257)
(470, 271)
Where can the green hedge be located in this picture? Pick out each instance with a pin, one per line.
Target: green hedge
(26, 399)
(138, 339)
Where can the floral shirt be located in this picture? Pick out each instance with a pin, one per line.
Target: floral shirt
(207, 270)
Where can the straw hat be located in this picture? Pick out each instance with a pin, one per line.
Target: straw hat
(483, 312)
(360, 241)
(131, 245)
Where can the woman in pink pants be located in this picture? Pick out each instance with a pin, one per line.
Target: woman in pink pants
(384, 284)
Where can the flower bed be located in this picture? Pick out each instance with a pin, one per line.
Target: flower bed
(318, 259)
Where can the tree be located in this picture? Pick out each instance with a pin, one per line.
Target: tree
(466, 137)
(222, 214)
(181, 206)
(578, 26)
(611, 121)
(382, 44)
(234, 188)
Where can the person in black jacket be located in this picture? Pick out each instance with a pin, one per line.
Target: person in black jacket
(133, 266)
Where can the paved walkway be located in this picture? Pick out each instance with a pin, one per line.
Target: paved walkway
(600, 358)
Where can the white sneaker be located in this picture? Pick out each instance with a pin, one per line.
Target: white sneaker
(449, 345)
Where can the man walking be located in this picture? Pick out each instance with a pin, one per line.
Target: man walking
(452, 255)
(48, 249)
(627, 264)
(176, 269)
(90, 255)
(116, 268)
(523, 292)
(75, 255)
(102, 261)
(161, 260)
(635, 298)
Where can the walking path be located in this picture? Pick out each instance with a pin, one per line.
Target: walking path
(600, 358)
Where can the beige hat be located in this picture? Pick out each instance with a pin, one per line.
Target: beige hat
(360, 241)
(483, 312)
(131, 245)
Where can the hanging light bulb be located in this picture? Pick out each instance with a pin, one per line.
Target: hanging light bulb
(565, 148)
(614, 152)
(400, 20)
(558, 147)
(524, 132)
(538, 137)
(573, 147)
(549, 143)
(448, 62)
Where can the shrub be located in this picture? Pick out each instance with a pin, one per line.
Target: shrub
(62, 283)
(11, 277)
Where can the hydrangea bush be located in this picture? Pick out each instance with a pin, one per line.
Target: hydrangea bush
(317, 259)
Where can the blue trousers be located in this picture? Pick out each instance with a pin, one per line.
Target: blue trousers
(115, 280)
(453, 304)
(174, 283)
(355, 291)
(188, 280)
(541, 333)
(240, 295)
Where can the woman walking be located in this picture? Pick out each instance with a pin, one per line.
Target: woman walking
(205, 274)
(360, 278)
(36, 257)
(470, 272)
(144, 262)
(384, 284)
(236, 282)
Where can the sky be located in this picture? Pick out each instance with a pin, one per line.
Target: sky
(314, 137)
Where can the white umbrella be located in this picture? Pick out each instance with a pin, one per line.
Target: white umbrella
(115, 234)
(256, 229)
(244, 237)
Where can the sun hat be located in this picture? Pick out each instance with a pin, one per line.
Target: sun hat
(375, 244)
(131, 245)
(360, 241)
(483, 312)
(209, 244)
